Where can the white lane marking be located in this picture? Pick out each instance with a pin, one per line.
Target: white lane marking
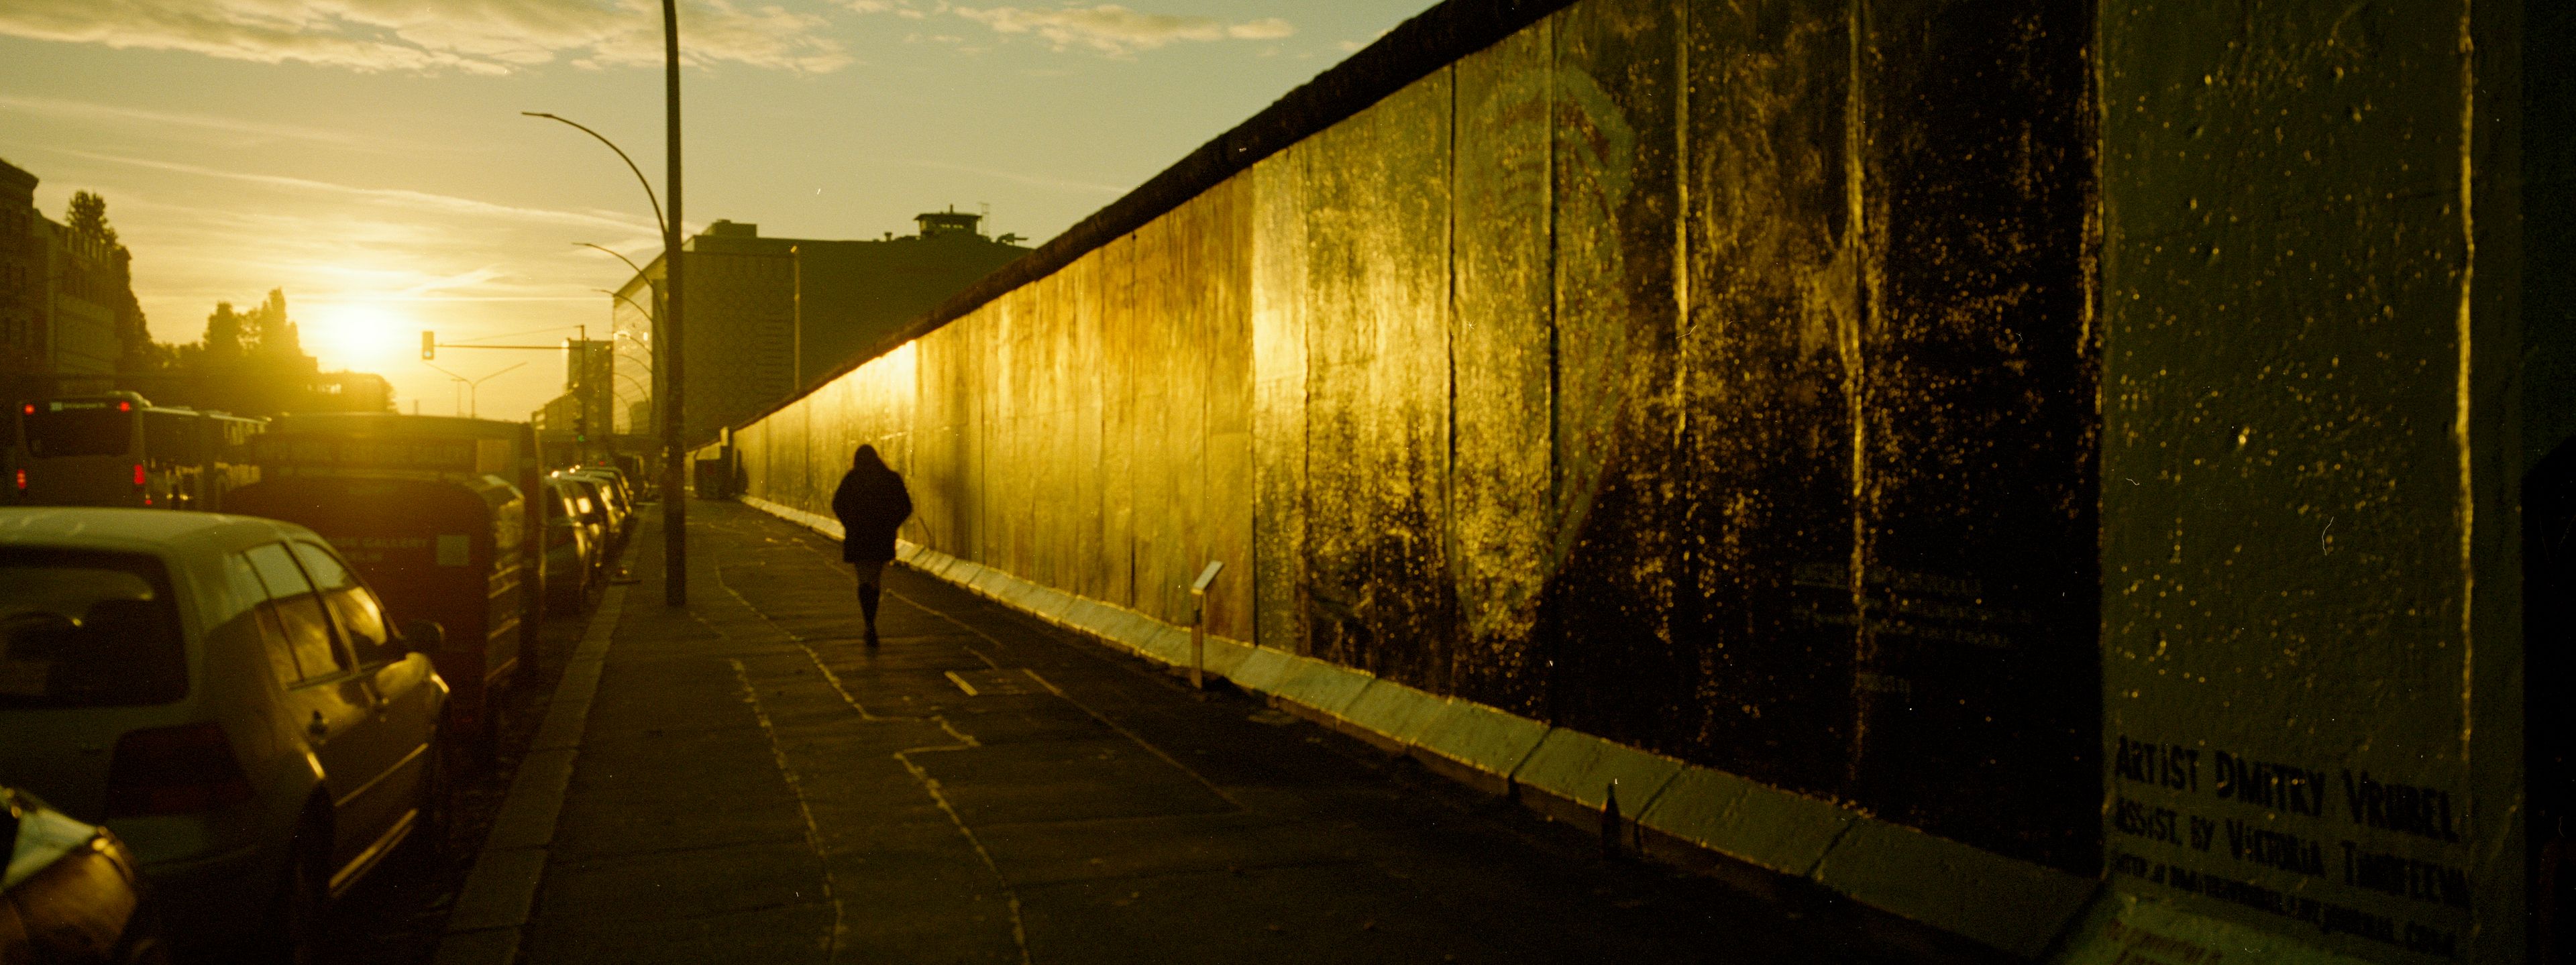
(964, 741)
(1033, 675)
(796, 786)
(962, 684)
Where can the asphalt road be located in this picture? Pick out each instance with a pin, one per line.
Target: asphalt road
(756, 785)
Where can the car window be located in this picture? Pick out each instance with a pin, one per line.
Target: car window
(360, 616)
(81, 628)
(299, 612)
(242, 583)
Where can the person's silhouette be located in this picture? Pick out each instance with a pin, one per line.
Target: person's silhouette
(871, 503)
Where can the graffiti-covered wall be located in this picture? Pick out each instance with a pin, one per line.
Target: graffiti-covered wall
(2068, 429)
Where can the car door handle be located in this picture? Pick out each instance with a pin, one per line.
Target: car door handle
(318, 727)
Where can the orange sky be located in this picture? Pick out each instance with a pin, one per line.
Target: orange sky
(368, 155)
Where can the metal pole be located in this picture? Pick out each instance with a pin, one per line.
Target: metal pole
(675, 481)
(1198, 640)
(1198, 623)
(581, 393)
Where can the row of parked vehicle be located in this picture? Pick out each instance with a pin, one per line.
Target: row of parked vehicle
(245, 712)
(586, 528)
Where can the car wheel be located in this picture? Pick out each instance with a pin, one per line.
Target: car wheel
(295, 921)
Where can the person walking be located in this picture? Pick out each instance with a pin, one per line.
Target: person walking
(871, 503)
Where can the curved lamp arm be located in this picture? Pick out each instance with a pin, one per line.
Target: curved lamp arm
(648, 313)
(630, 165)
(630, 262)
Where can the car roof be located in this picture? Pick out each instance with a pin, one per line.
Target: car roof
(146, 529)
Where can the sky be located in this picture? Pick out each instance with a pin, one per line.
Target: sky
(369, 156)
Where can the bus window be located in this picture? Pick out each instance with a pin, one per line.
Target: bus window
(61, 431)
(171, 437)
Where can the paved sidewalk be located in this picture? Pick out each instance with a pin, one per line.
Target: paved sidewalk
(755, 785)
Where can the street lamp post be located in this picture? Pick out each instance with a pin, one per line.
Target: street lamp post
(666, 364)
(473, 387)
(675, 481)
(646, 344)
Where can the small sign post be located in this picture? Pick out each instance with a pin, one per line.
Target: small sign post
(1198, 624)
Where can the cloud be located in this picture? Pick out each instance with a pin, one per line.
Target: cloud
(471, 36)
(252, 131)
(1117, 31)
(417, 200)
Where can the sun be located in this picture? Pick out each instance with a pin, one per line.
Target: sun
(355, 335)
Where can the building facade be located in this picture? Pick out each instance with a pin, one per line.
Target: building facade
(768, 317)
(66, 298)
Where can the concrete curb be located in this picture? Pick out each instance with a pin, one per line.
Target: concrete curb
(501, 890)
(2004, 903)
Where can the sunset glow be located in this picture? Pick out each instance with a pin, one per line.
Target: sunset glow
(366, 335)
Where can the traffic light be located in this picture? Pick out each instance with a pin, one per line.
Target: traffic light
(428, 345)
(581, 428)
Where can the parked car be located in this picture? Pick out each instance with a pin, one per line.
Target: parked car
(614, 491)
(72, 893)
(441, 549)
(596, 509)
(626, 487)
(584, 508)
(224, 694)
(572, 549)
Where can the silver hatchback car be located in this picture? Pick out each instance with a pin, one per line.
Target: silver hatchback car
(223, 693)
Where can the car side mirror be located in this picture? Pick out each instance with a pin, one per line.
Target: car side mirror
(423, 636)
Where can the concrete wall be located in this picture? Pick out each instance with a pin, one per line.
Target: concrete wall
(1934, 417)
(2313, 307)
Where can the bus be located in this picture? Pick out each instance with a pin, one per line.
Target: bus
(118, 449)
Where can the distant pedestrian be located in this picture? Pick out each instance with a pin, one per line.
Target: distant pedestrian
(871, 503)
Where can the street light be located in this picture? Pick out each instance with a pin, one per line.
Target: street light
(473, 387)
(629, 301)
(630, 262)
(675, 558)
(630, 165)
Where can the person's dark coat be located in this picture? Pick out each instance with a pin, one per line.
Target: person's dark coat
(871, 503)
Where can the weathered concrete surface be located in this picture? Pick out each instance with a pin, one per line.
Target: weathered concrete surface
(1928, 408)
(755, 785)
(2312, 303)
(1712, 381)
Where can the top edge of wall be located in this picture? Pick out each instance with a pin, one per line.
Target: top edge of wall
(1415, 49)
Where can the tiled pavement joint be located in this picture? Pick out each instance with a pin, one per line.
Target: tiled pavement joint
(1678, 811)
(501, 890)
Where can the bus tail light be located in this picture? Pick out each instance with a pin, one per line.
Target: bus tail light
(174, 770)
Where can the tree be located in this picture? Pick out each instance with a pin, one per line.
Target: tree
(268, 331)
(224, 332)
(88, 215)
